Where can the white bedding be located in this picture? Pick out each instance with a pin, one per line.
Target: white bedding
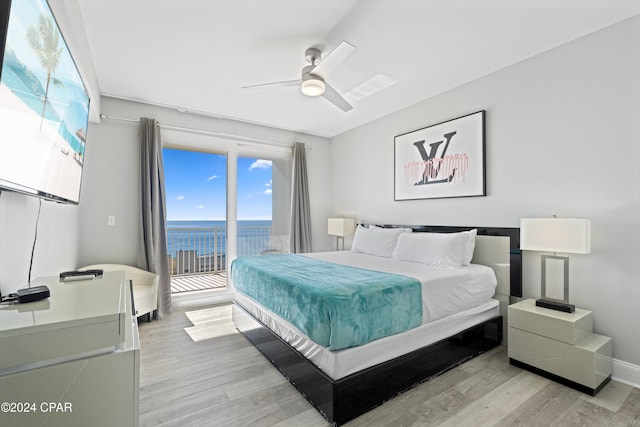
(445, 291)
(341, 363)
(453, 300)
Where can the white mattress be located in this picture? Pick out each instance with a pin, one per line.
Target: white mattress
(445, 291)
(341, 363)
(453, 300)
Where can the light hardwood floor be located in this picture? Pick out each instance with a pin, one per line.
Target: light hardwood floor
(199, 371)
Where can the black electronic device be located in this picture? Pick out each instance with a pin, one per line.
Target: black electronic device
(45, 108)
(32, 294)
(555, 305)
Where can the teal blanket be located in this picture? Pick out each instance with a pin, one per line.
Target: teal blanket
(336, 306)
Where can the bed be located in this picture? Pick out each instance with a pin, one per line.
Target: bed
(347, 381)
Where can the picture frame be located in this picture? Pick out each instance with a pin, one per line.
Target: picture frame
(443, 160)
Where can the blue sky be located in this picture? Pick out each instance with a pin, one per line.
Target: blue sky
(196, 186)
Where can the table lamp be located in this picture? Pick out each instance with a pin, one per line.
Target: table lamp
(340, 227)
(564, 235)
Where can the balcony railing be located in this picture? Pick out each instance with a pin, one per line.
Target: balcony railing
(203, 250)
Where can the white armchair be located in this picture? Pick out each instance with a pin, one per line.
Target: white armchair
(145, 286)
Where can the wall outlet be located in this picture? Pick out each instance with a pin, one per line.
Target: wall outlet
(111, 220)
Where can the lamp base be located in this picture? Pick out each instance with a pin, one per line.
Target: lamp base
(556, 305)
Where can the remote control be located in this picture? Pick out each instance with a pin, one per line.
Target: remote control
(80, 273)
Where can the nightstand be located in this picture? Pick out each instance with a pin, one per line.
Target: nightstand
(558, 345)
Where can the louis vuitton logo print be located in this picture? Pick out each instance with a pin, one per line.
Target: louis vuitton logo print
(436, 167)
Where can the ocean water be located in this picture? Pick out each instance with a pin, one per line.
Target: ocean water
(207, 237)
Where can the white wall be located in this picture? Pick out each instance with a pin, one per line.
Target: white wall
(563, 137)
(110, 187)
(56, 247)
(112, 169)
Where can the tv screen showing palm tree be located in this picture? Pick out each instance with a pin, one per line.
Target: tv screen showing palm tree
(44, 106)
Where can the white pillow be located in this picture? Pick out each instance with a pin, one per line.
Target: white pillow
(470, 246)
(375, 241)
(437, 249)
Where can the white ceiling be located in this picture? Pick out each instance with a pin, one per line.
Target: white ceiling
(197, 54)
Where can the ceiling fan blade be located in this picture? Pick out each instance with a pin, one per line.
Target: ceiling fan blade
(286, 83)
(333, 59)
(335, 98)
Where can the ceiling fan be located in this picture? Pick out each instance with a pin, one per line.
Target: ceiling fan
(313, 79)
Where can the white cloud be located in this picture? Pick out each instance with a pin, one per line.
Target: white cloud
(260, 164)
(266, 192)
(200, 206)
(212, 177)
(180, 197)
(268, 184)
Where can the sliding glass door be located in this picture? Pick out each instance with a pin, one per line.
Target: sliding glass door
(196, 195)
(263, 205)
(224, 199)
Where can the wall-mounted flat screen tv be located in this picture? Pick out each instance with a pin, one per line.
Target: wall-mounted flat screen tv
(44, 105)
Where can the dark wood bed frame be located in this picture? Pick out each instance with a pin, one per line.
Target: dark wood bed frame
(340, 401)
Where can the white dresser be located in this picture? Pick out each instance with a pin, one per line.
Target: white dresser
(72, 359)
(559, 345)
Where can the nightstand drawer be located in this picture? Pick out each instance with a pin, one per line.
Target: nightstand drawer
(588, 363)
(569, 328)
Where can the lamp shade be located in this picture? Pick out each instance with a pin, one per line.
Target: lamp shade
(566, 235)
(340, 226)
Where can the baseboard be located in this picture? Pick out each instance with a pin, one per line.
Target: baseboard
(626, 373)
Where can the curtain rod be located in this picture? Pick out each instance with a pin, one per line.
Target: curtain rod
(204, 132)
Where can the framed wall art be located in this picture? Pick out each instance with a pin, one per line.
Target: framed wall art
(442, 160)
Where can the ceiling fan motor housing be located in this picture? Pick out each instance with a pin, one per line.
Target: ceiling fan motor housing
(312, 55)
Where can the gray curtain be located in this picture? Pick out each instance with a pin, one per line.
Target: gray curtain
(300, 211)
(154, 235)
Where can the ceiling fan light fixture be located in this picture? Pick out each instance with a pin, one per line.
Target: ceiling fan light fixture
(313, 86)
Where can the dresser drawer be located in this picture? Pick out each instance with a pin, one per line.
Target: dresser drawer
(588, 363)
(569, 328)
